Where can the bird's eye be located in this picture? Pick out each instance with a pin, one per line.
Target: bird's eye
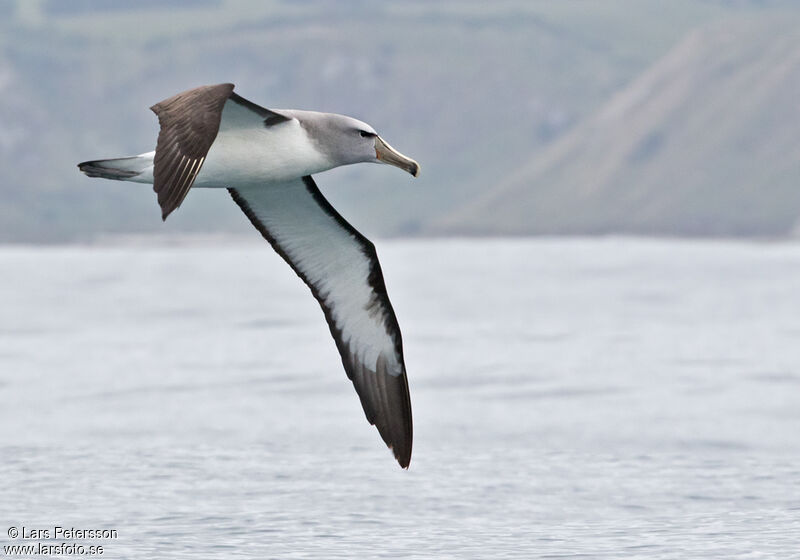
(365, 134)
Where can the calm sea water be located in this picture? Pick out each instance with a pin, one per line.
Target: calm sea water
(573, 398)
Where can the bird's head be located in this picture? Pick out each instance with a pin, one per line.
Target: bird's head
(347, 140)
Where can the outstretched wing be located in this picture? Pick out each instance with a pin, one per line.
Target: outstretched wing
(189, 124)
(341, 267)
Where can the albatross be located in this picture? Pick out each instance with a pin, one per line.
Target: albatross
(210, 137)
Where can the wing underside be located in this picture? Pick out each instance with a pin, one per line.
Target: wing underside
(341, 268)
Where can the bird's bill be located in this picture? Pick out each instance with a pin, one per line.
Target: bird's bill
(385, 153)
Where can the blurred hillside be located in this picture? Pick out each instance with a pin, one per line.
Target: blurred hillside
(706, 142)
(496, 100)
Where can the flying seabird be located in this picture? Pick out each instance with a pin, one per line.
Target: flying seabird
(212, 137)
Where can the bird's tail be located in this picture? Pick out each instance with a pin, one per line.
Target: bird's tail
(134, 168)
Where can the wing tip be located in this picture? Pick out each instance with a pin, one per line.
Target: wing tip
(386, 402)
(403, 458)
(399, 444)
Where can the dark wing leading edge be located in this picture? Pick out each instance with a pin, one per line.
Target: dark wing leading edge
(341, 267)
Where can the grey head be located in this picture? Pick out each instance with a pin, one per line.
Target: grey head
(346, 140)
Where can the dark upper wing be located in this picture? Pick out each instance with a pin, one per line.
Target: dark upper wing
(341, 267)
(189, 123)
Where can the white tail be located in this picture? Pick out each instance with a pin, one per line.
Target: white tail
(135, 168)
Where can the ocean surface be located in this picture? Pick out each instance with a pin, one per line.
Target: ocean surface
(610, 398)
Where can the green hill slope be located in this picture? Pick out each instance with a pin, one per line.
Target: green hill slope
(706, 142)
